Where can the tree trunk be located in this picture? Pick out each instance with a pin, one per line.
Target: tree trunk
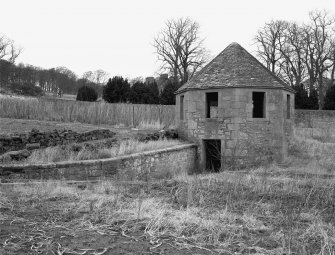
(321, 96)
(175, 76)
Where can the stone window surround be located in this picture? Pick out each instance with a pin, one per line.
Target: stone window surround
(266, 118)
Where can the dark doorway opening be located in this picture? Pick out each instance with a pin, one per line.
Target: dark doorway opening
(258, 102)
(213, 155)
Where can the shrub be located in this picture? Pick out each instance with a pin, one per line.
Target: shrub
(168, 97)
(141, 93)
(86, 93)
(116, 90)
(305, 100)
(330, 99)
(26, 89)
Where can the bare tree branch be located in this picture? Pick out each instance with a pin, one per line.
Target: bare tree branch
(8, 50)
(180, 49)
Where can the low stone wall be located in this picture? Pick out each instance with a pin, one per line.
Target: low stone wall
(314, 118)
(315, 123)
(36, 139)
(162, 163)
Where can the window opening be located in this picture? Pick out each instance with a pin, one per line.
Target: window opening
(181, 107)
(212, 105)
(258, 103)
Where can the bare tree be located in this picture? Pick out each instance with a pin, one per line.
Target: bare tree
(100, 76)
(318, 40)
(88, 77)
(291, 47)
(332, 72)
(180, 48)
(8, 50)
(268, 44)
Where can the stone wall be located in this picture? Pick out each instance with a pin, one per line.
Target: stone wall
(162, 163)
(315, 123)
(244, 139)
(314, 118)
(36, 139)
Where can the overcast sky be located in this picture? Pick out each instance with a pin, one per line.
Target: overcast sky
(117, 36)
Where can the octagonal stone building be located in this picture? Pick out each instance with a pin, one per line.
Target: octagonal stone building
(237, 111)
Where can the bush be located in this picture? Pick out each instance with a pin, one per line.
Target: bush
(141, 93)
(330, 99)
(116, 90)
(26, 89)
(305, 100)
(86, 93)
(168, 97)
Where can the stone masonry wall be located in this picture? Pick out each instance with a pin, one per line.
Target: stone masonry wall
(45, 139)
(149, 165)
(244, 139)
(315, 123)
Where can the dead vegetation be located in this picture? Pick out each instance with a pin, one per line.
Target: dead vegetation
(277, 209)
(273, 210)
(99, 150)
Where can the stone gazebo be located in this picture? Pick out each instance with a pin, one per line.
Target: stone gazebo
(237, 111)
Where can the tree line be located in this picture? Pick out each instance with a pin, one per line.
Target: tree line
(32, 80)
(302, 55)
(119, 90)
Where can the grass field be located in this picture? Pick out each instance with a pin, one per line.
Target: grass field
(277, 209)
(260, 212)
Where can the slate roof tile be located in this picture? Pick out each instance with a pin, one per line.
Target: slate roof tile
(234, 67)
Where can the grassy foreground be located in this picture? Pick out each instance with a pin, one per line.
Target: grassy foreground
(286, 209)
(265, 211)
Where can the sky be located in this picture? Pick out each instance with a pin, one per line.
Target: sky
(117, 35)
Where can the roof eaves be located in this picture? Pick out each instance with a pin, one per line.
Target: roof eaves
(242, 87)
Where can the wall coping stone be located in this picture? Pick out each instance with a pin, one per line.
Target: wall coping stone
(66, 164)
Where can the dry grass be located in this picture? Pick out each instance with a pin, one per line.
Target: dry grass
(98, 151)
(260, 212)
(268, 210)
(85, 112)
(325, 134)
(320, 151)
(11, 126)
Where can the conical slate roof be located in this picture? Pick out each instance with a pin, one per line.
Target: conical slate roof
(234, 67)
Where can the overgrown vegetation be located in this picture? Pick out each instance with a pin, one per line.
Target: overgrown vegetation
(330, 98)
(286, 209)
(102, 149)
(264, 211)
(86, 93)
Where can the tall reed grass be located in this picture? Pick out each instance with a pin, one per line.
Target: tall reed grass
(86, 112)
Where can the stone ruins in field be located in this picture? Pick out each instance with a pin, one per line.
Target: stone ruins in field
(237, 111)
